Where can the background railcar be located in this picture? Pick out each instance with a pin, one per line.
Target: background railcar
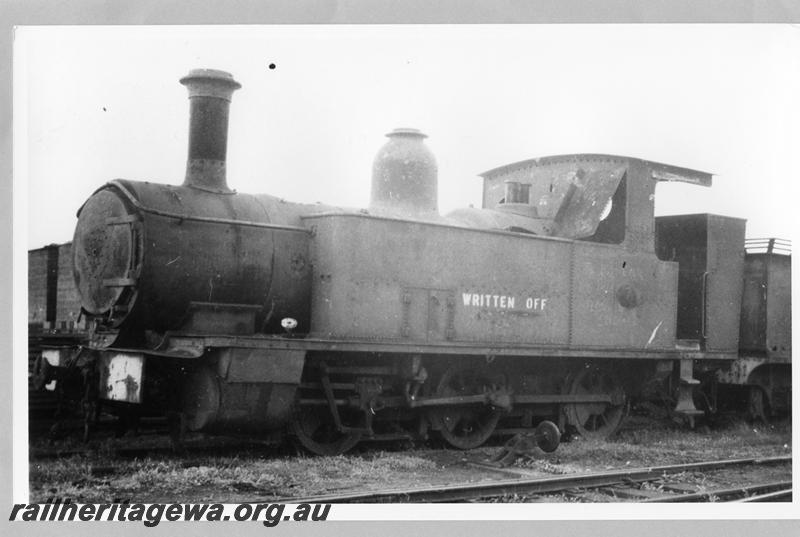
(762, 375)
(55, 324)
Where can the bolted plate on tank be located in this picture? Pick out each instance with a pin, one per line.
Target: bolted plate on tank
(102, 250)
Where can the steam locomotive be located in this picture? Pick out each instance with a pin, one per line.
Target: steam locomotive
(559, 300)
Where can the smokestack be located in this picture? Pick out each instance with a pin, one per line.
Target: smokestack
(210, 97)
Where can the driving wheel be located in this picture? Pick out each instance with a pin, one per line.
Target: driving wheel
(468, 425)
(596, 420)
(314, 428)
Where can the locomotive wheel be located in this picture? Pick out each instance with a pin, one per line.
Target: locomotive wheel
(314, 428)
(547, 436)
(465, 426)
(596, 420)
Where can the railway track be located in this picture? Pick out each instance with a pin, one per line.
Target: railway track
(764, 492)
(625, 484)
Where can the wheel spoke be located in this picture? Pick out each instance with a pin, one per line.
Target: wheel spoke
(465, 426)
(595, 420)
(315, 430)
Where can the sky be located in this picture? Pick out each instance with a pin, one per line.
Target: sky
(97, 103)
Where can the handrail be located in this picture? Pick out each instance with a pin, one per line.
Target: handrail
(768, 246)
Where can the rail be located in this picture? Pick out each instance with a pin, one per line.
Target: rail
(549, 485)
(777, 491)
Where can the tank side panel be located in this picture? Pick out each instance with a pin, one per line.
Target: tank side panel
(378, 278)
(623, 299)
(508, 289)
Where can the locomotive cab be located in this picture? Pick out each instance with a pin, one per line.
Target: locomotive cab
(610, 200)
(598, 198)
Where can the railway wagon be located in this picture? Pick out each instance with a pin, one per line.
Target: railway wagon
(558, 300)
(761, 377)
(55, 327)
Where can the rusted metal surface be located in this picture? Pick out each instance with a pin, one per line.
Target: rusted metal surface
(775, 383)
(210, 96)
(621, 298)
(240, 365)
(555, 179)
(241, 391)
(766, 324)
(182, 345)
(766, 327)
(150, 270)
(103, 252)
(769, 382)
(584, 203)
(740, 370)
(216, 318)
(373, 287)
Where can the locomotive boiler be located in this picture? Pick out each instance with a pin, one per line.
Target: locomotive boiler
(557, 300)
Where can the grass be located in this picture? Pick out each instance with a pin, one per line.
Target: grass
(666, 445)
(218, 477)
(254, 474)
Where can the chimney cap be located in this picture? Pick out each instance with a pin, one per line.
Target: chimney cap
(210, 83)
